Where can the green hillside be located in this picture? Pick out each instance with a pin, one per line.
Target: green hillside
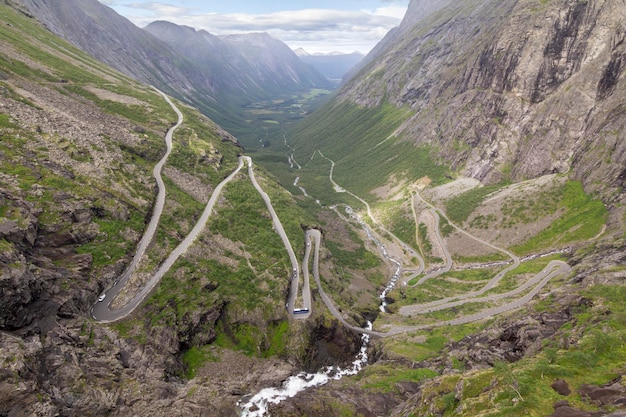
(78, 142)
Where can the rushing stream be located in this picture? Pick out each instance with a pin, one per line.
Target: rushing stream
(398, 271)
(257, 405)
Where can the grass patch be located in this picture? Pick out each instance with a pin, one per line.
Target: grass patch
(254, 341)
(195, 357)
(582, 218)
(523, 388)
(255, 229)
(397, 217)
(425, 244)
(445, 227)
(459, 208)
(480, 274)
(112, 243)
(5, 121)
(358, 259)
(386, 377)
(424, 345)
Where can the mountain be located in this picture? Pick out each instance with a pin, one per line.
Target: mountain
(475, 159)
(333, 65)
(505, 115)
(101, 32)
(193, 66)
(416, 11)
(246, 67)
(503, 108)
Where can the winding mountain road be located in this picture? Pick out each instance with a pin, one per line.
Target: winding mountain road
(472, 297)
(454, 300)
(553, 269)
(444, 249)
(305, 310)
(340, 189)
(102, 311)
(315, 236)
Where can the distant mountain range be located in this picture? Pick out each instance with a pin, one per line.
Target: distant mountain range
(333, 66)
(244, 67)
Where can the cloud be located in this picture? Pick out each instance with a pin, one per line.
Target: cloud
(159, 8)
(316, 30)
(396, 12)
(297, 20)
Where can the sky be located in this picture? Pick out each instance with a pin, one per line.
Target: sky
(318, 26)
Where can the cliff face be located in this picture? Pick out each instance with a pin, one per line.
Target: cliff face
(112, 39)
(498, 90)
(514, 88)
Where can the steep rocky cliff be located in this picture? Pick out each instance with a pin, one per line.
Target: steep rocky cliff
(504, 92)
(509, 89)
(110, 38)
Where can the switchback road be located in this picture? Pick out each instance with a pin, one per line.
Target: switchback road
(553, 269)
(305, 310)
(102, 311)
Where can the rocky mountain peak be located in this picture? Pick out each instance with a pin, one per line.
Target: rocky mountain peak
(192, 65)
(262, 62)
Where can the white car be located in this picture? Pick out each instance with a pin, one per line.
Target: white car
(102, 297)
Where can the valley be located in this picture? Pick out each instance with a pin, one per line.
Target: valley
(102, 312)
(443, 235)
